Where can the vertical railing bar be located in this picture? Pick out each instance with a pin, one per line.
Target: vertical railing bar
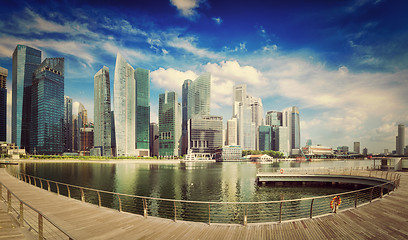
(382, 189)
(120, 203)
(311, 208)
(48, 184)
(371, 194)
(8, 201)
(41, 184)
(57, 189)
(99, 198)
(175, 211)
(209, 214)
(21, 214)
(82, 195)
(69, 192)
(355, 201)
(40, 227)
(144, 207)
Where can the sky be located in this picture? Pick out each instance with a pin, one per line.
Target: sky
(344, 64)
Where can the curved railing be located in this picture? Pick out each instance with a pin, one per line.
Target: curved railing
(27, 215)
(227, 212)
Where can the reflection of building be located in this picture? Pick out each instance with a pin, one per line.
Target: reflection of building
(357, 147)
(229, 153)
(67, 124)
(3, 103)
(47, 108)
(25, 62)
(169, 124)
(400, 139)
(204, 134)
(317, 150)
(102, 112)
(154, 139)
(87, 140)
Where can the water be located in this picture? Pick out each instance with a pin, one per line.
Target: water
(213, 182)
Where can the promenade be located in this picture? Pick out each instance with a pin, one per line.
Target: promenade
(386, 218)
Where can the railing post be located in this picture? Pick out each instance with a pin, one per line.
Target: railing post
(311, 208)
(82, 195)
(29, 180)
(355, 201)
(371, 194)
(40, 227)
(41, 184)
(144, 207)
(280, 212)
(48, 184)
(382, 189)
(245, 215)
(99, 198)
(209, 214)
(69, 192)
(57, 188)
(386, 175)
(21, 214)
(120, 203)
(175, 212)
(8, 201)
(35, 182)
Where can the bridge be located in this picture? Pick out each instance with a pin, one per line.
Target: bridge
(61, 217)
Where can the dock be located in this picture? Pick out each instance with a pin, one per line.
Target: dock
(386, 218)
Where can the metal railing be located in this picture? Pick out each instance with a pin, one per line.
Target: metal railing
(226, 212)
(28, 216)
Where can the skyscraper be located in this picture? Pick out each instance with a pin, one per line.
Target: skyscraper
(290, 119)
(265, 138)
(124, 93)
(68, 124)
(232, 132)
(274, 118)
(102, 112)
(401, 139)
(357, 147)
(82, 120)
(3, 104)
(239, 95)
(154, 139)
(204, 134)
(47, 108)
(25, 62)
(199, 96)
(142, 77)
(184, 108)
(169, 124)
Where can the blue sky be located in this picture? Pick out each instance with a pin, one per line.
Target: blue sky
(343, 63)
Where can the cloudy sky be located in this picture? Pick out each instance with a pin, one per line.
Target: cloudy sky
(343, 63)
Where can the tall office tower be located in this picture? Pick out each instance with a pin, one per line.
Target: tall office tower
(113, 134)
(357, 147)
(365, 151)
(25, 62)
(204, 134)
(67, 124)
(257, 115)
(401, 139)
(102, 112)
(184, 108)
(75, 133)
(154, 139)
(246, 128)
(265, 138)
(87, 140)
(124, 94)
(239, 95)
(169, 124)
(142, 77)
(232, 125)
(290, 119)
(282, 140)
(47, 108)
(273, 118)
(199, 96)
(309, 142)
(3, 104)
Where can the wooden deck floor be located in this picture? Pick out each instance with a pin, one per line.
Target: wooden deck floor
(383, 219)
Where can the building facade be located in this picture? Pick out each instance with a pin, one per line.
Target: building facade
(357, 147)
(25, 61)
(142, 78)
(291, 120)
(3, 104)
(154, 139)
(47, 108)
(205, 134)
(199, 96)
(400, 142)
(102, 112)
(87, 140)
(68, 124)
(232, 125)
(169, 124)
(265, 138)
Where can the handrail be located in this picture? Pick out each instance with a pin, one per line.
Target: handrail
(40, 214)
(235, 215)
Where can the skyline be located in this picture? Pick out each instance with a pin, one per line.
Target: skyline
(343, 64)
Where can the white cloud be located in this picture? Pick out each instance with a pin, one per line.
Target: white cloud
(217, 20)
(270, 48)
(171, 79)
(186, 7)
(187, 44)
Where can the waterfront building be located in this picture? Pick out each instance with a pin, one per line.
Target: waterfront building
(154, 139)
(47, 108)
(273, 118)
(199, 96)
(102, 112)
(357, 147)
(87, 140)
(228, 153)
(400, 140)
(317, 150)
(67, 124)
(82, 120)
(265, 138)
(290, 119)
(342, 149)
(239, 95)
(25, 61)
(232, 132)
(204, 134)
(169, 124)
(142, 78)
(3, 104)
(365, 151)
(113, 135)
(282, 140)
(386, 152)
(184, 108)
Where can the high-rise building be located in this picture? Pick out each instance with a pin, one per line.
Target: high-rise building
(3, 104)
(232, 139)
(82, 120)
(87, 140)
(124, 93)
(357, 147)
(401, 139)
(113, 134)
(142, 77)
(154, 139)
(67, 124)
(290, 119)
(265, 138)
(309, 142)
(169, 124)
(199, 96)
(204, 134)
(282, 140)
(25, 61)
(47, 108)
(273, 118)
(102, 112)
(184, 108)
(239, 95)
(365, 151)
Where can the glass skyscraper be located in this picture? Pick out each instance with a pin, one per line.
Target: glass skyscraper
(199, 96)
(290, 119)
(3, 104)
(67, 124)
(265, 138)
(169, 124)
(102, 112)
(142, 77)
(205, 134)
(47, 108)
(25, 61)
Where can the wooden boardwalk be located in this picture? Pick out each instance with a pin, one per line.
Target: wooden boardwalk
(383, 219)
